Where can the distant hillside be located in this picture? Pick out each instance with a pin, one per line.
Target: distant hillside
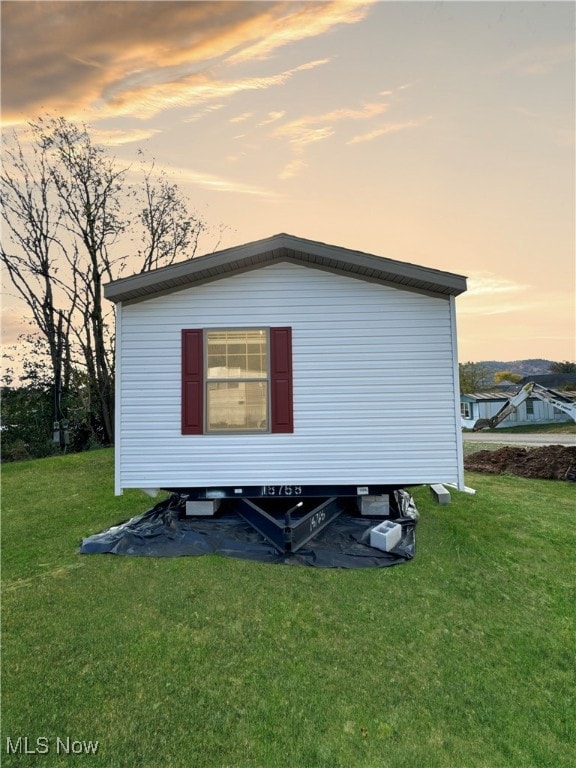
(536, 367)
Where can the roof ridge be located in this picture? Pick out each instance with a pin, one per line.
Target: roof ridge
(285, 247)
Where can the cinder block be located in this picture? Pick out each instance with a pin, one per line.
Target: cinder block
(386, 535)
(441, 494)
(202, 508)
(374, 506)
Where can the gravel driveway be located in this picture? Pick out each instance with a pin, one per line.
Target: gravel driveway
(530, 439)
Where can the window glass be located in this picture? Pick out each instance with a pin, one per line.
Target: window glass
(237, 380)
(237, 354)
(238, 406)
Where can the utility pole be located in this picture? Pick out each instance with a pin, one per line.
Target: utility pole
(60, 433)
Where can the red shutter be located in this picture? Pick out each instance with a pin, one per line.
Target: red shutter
(281, 380)
(192, 383)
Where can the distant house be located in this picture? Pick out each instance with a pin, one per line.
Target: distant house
(287, 363)
(484, 405)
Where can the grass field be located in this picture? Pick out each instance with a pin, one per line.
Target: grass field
(558, 428)
(462, 658)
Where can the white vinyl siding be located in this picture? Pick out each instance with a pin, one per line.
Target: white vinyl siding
(374, 390)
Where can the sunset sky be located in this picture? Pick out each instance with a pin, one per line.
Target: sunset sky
(438, 133)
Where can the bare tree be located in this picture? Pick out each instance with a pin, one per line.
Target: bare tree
(89, 187)
(168, 228)
(33, 226)
(68, 209)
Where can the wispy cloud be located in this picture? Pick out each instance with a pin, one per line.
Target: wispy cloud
(301, 126)
(405, 86)
(149, 100)
(93, 60)
(311, 129)
(387, 128)
(391, 93)
(489, 283)
(499, 313)
(211, 181)
(301, 135)
(241, 118)
(307, 20)
(540, 59)
(293, 168)
(204, 112)
(272, 118)
(116, 138)
(492, 294)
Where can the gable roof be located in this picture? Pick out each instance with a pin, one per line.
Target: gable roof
(284, 248)
(501, 395)
(504, 395)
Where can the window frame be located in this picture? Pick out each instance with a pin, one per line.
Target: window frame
(206, 381)
(280, 378)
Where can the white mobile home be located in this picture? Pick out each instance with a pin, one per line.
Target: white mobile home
(287, 362)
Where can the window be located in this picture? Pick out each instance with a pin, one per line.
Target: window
(529, 407)
(237, 380)
(465, 410)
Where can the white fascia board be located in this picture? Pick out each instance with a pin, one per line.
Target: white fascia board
(118, 490)
(456, 378)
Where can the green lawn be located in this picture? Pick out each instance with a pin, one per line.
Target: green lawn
(557, 428)
(462, 658)
(474, 447)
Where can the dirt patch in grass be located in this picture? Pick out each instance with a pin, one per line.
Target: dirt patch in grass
(551, 462)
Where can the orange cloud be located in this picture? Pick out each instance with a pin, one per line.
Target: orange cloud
(387, 128)
(488, 283)
(100, 59)
(210, 181)
(293, 168)
(241, 118)
(491, 294)
(147, 100)
(304, 22)
(311, 129)
(272, 117)
(116, 138)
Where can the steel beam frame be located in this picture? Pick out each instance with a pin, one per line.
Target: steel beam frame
(289, 534)
(295, 492)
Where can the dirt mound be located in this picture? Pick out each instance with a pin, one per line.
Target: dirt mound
(552, 462)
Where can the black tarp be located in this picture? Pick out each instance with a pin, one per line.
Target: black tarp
(163, 532)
